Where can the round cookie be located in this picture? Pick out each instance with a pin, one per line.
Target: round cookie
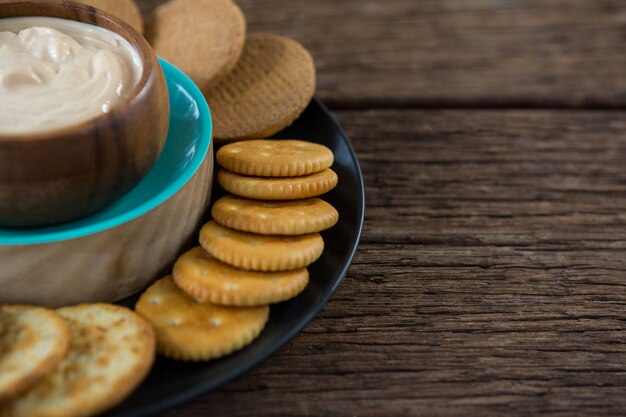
(204, 38)
(125, 10)
(208, 280)
(193, 331)
(291, 217)
(259, 252)
(34, 341)
(111, 351)
(275, 158)
(271, 85)
(290, 188)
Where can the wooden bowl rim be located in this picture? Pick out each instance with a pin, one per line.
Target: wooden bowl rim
(112, 23)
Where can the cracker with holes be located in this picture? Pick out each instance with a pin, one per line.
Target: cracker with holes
(291, 217)
(33, 341)
(111, 351)
(260, 252)
(266, 188)
(209, 280)
(275, 158)
(195, 331)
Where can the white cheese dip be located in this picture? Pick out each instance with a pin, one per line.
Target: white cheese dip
(55, 73)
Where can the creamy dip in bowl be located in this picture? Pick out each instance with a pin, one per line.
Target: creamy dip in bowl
(84, 111)
(56, 72)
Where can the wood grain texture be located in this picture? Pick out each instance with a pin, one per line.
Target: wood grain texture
(489, 281)
(456, 52)
(491, 276)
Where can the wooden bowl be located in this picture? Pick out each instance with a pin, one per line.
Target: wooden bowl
(57, 176)
(121, 249)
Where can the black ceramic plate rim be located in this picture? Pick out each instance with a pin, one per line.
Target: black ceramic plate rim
(162, 405)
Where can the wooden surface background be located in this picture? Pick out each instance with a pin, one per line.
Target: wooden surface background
(491, 278)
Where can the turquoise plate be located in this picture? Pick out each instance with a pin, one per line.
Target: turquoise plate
(186, 147)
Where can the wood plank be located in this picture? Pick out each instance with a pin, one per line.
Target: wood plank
(452, 53)
(490, 280)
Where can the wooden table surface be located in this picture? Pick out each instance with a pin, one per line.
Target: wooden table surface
(491, 277)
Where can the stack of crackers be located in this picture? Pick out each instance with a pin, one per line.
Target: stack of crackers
(266, 231)
(254, 253)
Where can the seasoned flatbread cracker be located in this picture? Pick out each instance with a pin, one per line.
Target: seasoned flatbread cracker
(34, 340)
(111, 351)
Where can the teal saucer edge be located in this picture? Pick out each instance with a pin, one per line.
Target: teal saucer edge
(186, 147)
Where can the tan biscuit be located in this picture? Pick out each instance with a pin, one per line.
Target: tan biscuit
(260, 252)
(111, 351)
(268, 89)
(192, 331)
(209, 280)
(204, 38)
(125, 10)
(290, 217)
(34, 341)
(291, 188)
(275, 158)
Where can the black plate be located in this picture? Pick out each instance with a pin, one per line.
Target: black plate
(171, 383)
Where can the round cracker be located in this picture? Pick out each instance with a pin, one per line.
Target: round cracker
(275, 158)
(125, 10)
(111, 351)
(208, 280)
(204, 38)
(260, 252)
(34, 341)
(193, 331)
(266, 188)
(271, 85)
(290, 217)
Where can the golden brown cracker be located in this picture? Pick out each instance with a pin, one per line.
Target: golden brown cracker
(204, 38)
(275, 158)
(34, 341)
(125, 10)
(208, 280)
(267, 188)
(111, 351)
(271, 85)
(289, 217)
(193, 331)
(260, 252)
